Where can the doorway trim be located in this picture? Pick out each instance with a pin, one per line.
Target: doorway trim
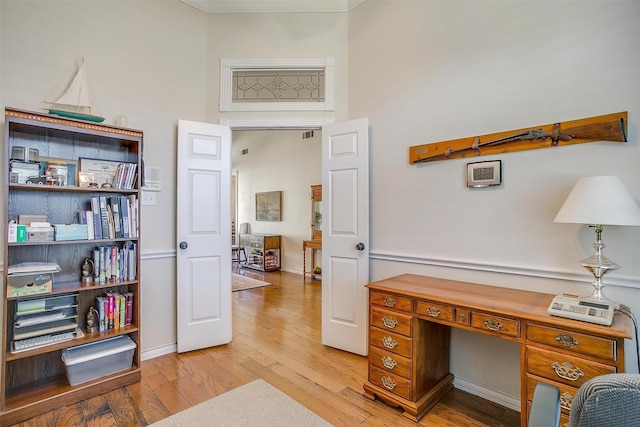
(276, 123)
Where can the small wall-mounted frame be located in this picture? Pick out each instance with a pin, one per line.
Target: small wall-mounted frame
(484, 174)
(268, 206)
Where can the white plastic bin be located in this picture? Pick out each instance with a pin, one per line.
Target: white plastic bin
(97, 359)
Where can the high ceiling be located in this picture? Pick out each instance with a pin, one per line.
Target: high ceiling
(257, 6)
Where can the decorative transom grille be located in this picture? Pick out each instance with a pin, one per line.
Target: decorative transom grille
(278, 86)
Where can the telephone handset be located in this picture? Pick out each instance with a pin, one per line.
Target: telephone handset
(573, 307)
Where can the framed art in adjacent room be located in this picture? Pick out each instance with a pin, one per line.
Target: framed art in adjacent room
(484, 174)
(268, 206)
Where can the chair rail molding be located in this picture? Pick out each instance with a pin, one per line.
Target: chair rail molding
(516, 270)
(228, 66)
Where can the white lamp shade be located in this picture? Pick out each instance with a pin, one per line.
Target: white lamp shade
(601, 200)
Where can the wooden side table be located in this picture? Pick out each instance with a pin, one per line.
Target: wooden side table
(314, 245)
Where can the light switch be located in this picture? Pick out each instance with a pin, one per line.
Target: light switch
(148, 198)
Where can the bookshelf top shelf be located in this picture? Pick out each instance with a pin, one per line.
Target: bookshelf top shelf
(70, 188)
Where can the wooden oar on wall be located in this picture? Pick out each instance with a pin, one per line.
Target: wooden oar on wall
(610, 127)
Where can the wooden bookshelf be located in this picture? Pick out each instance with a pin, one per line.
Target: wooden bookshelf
(34, 381)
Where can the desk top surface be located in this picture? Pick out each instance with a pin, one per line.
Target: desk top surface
(526, 305)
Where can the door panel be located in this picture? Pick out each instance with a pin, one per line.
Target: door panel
(345, 236)
(204, 235)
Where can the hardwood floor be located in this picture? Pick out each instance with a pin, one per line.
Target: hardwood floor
(276, 336)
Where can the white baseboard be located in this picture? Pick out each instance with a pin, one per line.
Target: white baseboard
(158, 351)
(496, 396)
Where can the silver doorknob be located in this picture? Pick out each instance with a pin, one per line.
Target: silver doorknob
(360, 246)
(183, 245)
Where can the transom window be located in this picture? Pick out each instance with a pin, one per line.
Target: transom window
(276, 85)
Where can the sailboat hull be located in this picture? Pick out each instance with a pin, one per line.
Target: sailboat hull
(79, 116)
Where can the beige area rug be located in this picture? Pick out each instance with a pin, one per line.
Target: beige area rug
(256, 404)
(240, 282)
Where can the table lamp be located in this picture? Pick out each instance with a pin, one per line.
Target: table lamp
(598, 201)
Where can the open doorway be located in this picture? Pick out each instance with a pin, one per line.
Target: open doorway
(286, 160)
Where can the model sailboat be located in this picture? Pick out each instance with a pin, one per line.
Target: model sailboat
(74, 103)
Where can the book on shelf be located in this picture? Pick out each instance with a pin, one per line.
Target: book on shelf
(88, 219)
(114, 201)
(129, 308)
(97, 218)
(101, 302)
(133, 215)
(124, 214)
(112, 233)
(104, 217)
(96, 264)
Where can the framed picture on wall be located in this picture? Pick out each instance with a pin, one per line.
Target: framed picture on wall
(268, 206)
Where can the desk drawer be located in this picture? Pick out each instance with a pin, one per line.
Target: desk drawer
(394, 343)
(564, 418)
(572, 341)
(391, 301)
(435, 311)
(563, 368)
(498, 325)
(392, 321)
(391, 362)
(391, 382)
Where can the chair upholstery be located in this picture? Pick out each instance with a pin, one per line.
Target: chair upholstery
(607, 400)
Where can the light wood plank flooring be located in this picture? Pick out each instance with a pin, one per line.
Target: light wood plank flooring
(276, 336)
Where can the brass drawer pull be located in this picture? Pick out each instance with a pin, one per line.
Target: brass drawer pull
(389, 322)
(567, 371)
(566, 340)
(389, 342)
(389, 383)
(492, 325)
(565, 400)
(433, 312)
(462, 316)
(388, 362)
(389, 302)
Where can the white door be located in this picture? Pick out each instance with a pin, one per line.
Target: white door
(203, 227)
(345, 235)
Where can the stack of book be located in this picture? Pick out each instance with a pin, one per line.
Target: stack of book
(114, 263)
(111, 217)
(125, 178)
(115, 310)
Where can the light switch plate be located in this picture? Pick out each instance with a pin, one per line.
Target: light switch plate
(148, 198)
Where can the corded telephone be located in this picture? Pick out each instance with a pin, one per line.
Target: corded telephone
(587, 310)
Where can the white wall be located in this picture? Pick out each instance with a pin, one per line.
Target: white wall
(146, 60)
(432, 71)
(279, 160)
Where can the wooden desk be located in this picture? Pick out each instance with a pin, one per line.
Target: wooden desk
(410, 319)
(314, 245)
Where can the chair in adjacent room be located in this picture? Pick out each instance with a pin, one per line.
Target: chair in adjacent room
(606, 400)
(238, 252)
